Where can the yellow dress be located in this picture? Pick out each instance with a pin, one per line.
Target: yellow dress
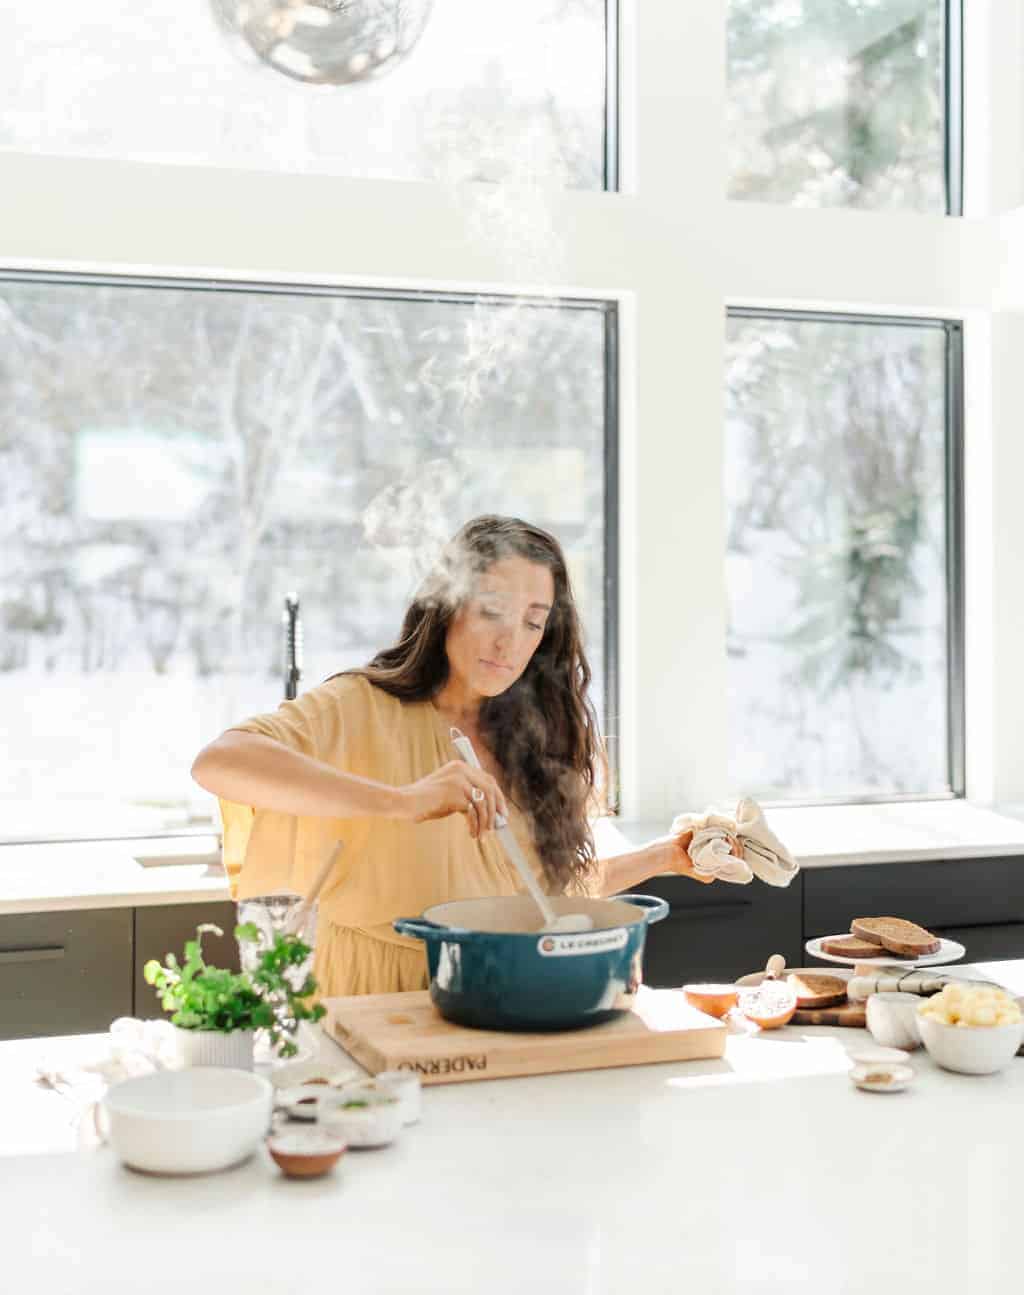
(389, 868)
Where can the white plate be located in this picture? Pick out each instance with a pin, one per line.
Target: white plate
(949, 951)
(901, 1077)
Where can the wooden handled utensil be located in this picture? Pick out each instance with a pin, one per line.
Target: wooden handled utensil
(296, 922)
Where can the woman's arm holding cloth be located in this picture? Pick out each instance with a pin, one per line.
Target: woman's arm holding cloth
(707, 847)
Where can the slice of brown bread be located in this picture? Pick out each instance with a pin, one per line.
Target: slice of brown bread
(814, 991)
(849, 946)
(896, 935)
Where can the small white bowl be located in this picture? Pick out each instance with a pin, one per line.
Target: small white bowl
(305, 1153)
(892, 1020)
(406, 1086)
(970, 1049)
(311, 1070)
(301, 1102)
(882, 1078)
(190, 1121)
(362, 1114)
(868, 1054)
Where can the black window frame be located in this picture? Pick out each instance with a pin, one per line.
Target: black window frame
(953, 116)
(953, 110)
(609, 310)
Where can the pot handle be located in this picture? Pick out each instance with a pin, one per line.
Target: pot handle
(421, 928)
(654, 908)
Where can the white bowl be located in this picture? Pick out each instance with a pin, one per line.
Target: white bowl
(406, 1086)
(892, 1019)
(882, 1078)
(188, 1121)
(970, 1049)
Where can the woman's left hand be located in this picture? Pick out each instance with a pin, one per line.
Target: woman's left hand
(681, 862)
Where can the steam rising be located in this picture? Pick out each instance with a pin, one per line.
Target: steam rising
(410, 520)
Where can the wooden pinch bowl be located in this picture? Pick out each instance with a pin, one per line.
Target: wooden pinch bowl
(714, 1000)
(306, 1154)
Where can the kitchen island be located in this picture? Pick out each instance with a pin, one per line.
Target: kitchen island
(765, 1171)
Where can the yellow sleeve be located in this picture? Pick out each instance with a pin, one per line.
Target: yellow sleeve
(264, 850)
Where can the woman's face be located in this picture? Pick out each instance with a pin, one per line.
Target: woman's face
(493, 635)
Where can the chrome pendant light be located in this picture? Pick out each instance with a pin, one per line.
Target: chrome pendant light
(326, 42)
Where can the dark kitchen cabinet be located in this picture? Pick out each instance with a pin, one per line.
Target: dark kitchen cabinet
(720, 932)
(75, 972)
(978, 902)
(64, 973)
(164, 929)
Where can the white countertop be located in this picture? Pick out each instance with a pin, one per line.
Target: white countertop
(824, 836)
(108, 874)
(765, 1172)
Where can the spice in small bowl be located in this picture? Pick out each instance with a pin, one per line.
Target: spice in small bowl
(305, 1153)
(301, 1102)
(405, 1086)
(364, 1114)
(882, 1077)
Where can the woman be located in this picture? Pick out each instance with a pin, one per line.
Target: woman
(492, 646)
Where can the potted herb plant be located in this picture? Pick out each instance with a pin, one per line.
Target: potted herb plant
(217, 1013)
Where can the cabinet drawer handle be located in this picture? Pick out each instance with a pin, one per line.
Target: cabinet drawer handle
(8, 956)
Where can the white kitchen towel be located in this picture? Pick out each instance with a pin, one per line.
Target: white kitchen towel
(133, 1048)
(764, 852)
(761, 855)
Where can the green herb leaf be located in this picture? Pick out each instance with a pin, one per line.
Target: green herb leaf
(201, 997)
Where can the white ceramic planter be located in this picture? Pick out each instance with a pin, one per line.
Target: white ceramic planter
(212, 1048)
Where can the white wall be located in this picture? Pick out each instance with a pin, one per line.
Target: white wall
(675, 253)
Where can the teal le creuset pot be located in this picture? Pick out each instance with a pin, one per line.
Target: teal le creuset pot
(493, 968)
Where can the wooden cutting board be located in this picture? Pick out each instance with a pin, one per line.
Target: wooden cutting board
(851, 1014)
(406, 1032)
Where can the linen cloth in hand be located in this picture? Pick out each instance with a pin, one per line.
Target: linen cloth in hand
(132, 1048)
(762, 854)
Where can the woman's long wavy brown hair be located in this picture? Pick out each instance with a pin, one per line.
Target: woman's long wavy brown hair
(542, 730)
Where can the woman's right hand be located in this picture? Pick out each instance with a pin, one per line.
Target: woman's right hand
(455, 788)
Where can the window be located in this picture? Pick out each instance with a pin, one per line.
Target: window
(175, 459)
(842, 482)
(845, 103)
(490, 92)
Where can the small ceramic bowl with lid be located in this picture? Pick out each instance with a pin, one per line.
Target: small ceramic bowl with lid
(364, 1114)
(880, 1070)
(881, 1077)
(406, 1086)
(892, 1019)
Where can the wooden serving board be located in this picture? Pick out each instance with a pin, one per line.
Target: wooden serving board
(851, 1014)
(406, 1032)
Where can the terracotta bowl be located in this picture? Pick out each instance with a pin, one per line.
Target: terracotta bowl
(305, 1154)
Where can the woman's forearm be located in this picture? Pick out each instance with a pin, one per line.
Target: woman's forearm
(666, 854)
(250, 769)
(622, 871)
